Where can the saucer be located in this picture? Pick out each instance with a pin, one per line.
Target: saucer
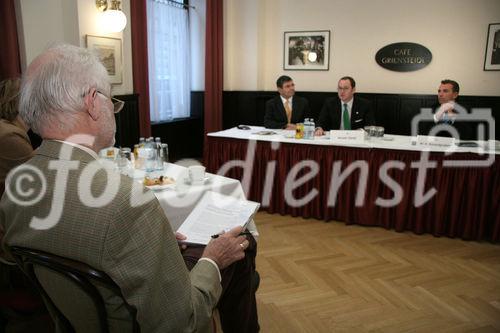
(160, 187)
(205, 180)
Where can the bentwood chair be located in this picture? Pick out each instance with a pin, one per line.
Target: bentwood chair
(81, 284)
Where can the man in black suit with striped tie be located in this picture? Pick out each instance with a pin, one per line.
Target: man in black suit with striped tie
(346, 111)
(285, 110)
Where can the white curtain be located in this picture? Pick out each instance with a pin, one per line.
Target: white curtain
(169, 61)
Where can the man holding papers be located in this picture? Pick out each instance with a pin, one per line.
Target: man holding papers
(106, 220)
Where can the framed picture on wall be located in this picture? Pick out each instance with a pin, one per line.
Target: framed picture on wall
(492, 56)
(109, 51)
(307, 50)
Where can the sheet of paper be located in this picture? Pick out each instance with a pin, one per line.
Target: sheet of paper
(434, 141)
(216, 213)
(348, 136)
(265, 133)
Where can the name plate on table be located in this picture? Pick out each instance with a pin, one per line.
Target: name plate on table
(434, 141)
(350, 137)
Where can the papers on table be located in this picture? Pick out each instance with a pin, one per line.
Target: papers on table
(434, 141)
(216, 213)
(265, 132)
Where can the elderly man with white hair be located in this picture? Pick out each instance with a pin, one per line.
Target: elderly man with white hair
(79, 210)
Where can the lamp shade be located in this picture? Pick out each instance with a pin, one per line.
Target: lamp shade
(113, 20)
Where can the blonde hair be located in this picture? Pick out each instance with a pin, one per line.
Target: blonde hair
(9, 99)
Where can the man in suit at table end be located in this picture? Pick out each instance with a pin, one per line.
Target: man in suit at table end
(286, 110)
(346, 111)
(446, 112)
(66, 99)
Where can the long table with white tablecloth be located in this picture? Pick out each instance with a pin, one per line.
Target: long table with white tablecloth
(463, 185)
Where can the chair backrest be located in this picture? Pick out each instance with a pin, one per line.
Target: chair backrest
(81, 274)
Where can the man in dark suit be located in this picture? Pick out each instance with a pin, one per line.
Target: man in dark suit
(346, 111)
(447, 112)
(285, 110)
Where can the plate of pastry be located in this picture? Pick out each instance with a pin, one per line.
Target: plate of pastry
(158, 183)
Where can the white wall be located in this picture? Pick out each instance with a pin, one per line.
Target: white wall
(88, 23)
(241, 40)
(454, 31)
(38, 28)
(43, 22)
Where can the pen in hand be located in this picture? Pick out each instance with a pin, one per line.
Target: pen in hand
(244, 233)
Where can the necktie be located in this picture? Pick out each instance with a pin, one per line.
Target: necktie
(445, 118)
(345, 117)
(288, 111)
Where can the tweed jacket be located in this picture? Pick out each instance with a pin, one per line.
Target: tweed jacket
(92, 215)
(16, 148)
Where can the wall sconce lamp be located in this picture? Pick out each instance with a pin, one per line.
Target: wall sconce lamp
(113, 19)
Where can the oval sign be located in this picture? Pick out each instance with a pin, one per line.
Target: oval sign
(403, 57)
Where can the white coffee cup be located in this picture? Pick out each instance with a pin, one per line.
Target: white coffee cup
(196, 174)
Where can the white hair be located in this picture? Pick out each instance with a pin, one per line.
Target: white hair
(55, 84)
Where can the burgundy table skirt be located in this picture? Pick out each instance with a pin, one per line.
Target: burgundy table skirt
(466, 204)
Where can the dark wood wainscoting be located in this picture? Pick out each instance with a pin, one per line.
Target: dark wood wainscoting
(392, 111)
(184, 136)
(127, 121)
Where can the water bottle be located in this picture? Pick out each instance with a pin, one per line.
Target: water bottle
(159, 161)
(307, 129)
(150, 155)
(139, 157)
(313, 127)
(164, 153)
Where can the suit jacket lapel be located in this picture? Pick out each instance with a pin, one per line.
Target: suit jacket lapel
(354, 112)
(337, 114)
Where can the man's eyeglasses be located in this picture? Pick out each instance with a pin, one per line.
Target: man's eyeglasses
(117, 104)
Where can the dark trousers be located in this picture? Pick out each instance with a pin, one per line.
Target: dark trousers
(237, 305)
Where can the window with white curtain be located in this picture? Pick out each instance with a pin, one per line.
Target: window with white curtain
(169, 60)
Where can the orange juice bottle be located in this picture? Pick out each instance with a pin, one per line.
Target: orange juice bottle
(299, 131)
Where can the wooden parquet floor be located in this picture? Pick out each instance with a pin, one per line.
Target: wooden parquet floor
(330, 277)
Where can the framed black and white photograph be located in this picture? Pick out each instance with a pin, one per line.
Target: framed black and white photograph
(307, 50)
(492, 56)
(109, 51)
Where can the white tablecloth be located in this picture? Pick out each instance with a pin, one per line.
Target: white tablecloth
(398, 142)
(179, 199)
